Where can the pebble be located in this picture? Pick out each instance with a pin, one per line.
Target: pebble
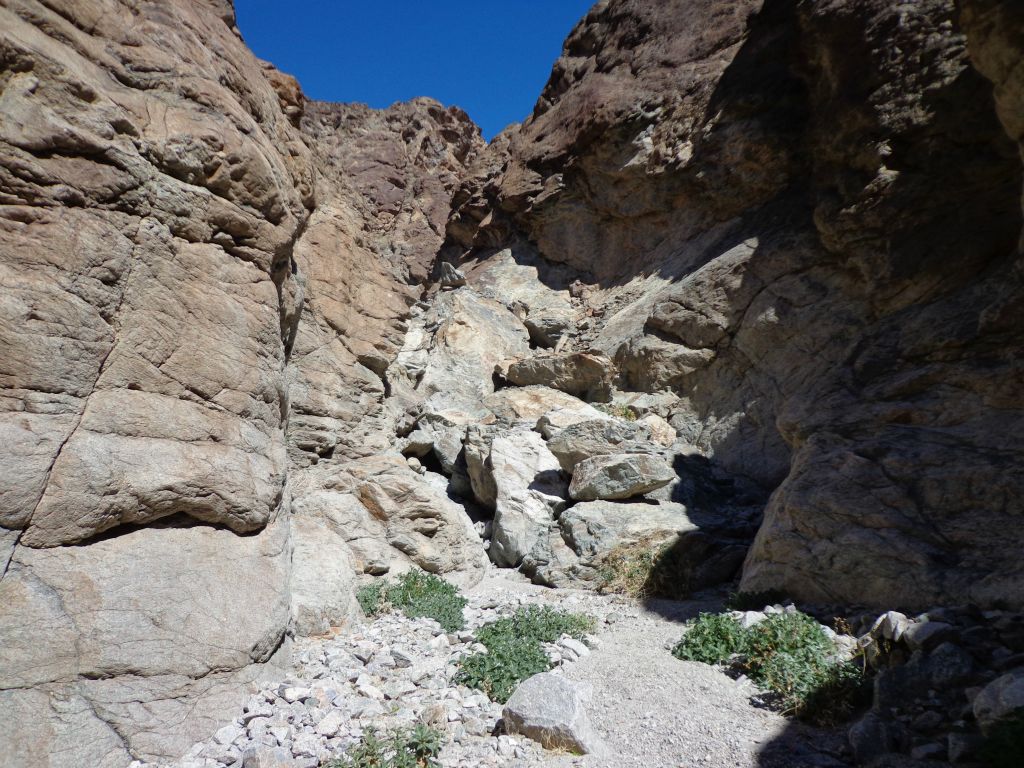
(391, 672)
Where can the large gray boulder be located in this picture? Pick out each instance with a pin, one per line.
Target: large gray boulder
(586, 374)
(599, 437)
(1000, 699)
(549, 709)
(594, 528)
(515, 406)
(619, 476)
(529, 490)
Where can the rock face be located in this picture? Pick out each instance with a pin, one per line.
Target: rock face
(197, 309)
(243, 335)
(812, 237)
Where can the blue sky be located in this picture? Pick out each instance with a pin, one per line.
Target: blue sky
(490, 57)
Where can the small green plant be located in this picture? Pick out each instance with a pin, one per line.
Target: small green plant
(618, 410)
(1004, 744)
(643, 569)
(788, 654)
(541, 624)
(417, 748)
(514, 650)
(712, 638)
(416, 594)
(753, 601)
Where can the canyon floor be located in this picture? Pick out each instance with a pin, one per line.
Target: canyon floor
(391, 672)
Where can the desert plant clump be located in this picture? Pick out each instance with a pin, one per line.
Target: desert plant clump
(416, 594)
(416, 748)
(712, 638)
(787, 654)
(618, 410)
(644, 569)
(515, 651)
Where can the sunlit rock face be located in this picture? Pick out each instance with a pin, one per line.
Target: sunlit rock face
(804, 219)
(786, 234)
(183, 326)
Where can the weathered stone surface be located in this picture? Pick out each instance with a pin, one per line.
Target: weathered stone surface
(597, 527)
(549, 709)
(323, 575)
(526, 405)
(529, 489)
(999, 699)
(760, 225)
(600, 437)
(619, 476)
(585, 374)
(425, 526)
(558, 419)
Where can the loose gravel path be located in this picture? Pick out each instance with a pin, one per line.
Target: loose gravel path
(651, 709)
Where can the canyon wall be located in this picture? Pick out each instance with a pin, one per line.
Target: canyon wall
(804, 219)
(799, 223)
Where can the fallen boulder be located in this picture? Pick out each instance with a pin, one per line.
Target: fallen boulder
(549, 709)
(599, 437)
(619, 476)
(587, 374)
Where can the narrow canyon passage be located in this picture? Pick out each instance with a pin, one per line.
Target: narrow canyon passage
(735, 307)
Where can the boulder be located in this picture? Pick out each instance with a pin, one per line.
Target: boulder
(999, 699)
(323, 576)
(619, 476)
(549, 709)
(521, 276)
(478, 452)
(586, 374)
(599, 437)
(561, 417)
(662, 432)
(526, 405)
(529, 490)
(451, 277)
(594, 528)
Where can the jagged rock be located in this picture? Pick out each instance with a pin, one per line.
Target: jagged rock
(477, 449)
(1000, 699)
(549, 709)
(927, 634)
(526, 405)
(420, 522)
(450, 351)
(594, 528)
(808, 325)
(519, 275)
(662, 432)
(268, 757)
(619, 476)
(451, 277)
(600, 437)
(530, 490)
(557, 419)
(586, 374)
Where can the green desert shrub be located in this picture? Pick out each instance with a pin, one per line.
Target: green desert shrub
(787, 654)
(712, 638)
(416, 594)
(514, 650)
(416, 748)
